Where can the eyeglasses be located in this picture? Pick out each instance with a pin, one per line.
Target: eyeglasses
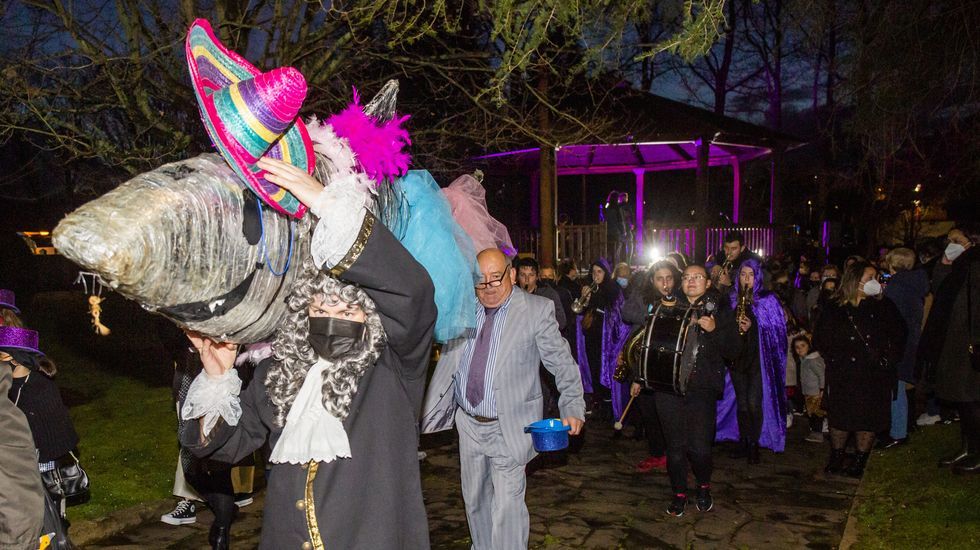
(494, 283)
(696, 277)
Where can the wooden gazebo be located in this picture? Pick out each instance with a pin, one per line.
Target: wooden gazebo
(657, 134)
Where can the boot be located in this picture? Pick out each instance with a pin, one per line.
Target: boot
(836, 463)
(218, 537)
(753, 453)
(856, 469)
(741, 451)
(959, 455)
(970, 464)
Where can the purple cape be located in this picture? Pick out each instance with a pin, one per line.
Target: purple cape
(614, 335)
(771, 329)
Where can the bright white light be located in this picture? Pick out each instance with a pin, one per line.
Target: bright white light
(654, 255)
(760, 252)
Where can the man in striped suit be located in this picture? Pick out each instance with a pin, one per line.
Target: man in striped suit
(488, 383)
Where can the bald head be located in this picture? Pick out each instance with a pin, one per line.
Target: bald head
(496, 271)
(491, 256)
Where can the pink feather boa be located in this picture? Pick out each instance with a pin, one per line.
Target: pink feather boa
(378, 147)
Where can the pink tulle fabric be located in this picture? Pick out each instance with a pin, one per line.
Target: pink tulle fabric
(379, 147)
(468, 200)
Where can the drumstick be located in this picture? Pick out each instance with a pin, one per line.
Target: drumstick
(619, 423)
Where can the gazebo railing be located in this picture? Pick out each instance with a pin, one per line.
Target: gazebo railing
(685, 239)
(585, 243)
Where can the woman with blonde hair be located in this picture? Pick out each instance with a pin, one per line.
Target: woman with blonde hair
(861, 339)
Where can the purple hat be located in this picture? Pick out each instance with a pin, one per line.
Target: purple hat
(19, 338)
(7, 300)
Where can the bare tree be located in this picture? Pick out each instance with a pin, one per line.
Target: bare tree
(109, 83)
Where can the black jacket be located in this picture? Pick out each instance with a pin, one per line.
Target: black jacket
(52, 428)
(374, 499)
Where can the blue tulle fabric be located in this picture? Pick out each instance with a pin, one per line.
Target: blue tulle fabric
(429, 232)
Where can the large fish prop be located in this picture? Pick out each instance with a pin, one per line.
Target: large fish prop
(190, 242)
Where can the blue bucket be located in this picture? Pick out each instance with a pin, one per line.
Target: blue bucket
(548, 434)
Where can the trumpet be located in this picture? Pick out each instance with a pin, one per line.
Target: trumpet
(580, 303)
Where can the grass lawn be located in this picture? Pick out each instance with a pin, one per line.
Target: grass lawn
(118, 393)
(910, 503)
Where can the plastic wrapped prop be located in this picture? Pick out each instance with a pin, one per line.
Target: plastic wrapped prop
(468, 199)
(437, 242)
(185, 240)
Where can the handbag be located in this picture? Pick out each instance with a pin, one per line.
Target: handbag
(878, 361)
(67, 480)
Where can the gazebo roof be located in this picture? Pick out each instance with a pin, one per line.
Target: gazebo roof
(657, 134)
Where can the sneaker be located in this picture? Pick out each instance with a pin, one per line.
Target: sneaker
(704, 501)
(926, 419)
(652, 463)
(185, 513)
(815, 437)
(676, 506)
(243, 499)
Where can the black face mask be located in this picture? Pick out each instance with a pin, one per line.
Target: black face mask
(331, 337)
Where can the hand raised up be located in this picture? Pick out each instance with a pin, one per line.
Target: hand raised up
(217, 357)
(305, 187)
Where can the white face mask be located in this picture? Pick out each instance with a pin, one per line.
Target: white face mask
(953, 251)
(872, 288)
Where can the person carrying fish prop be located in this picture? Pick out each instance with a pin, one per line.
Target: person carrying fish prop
(339, 399)
(354, 305)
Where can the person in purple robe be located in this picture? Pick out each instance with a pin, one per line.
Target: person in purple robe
(753, 408)
(601, 335)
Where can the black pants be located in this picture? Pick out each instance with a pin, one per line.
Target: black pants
(212, 480)
(650, 421)
(549, 393)
(970, 422)
(689, 430)
(748, 395)
(593, 349)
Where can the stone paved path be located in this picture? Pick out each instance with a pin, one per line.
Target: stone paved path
(596, 500)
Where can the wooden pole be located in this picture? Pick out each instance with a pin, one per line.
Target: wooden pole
(638, 219)
(548, 183)
(736, 190)
(701, 203)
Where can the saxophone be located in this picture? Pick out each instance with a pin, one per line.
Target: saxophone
(743, 304)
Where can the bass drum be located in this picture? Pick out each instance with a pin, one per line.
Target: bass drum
(654, 351)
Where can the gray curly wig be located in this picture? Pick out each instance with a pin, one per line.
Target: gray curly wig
(294, 356)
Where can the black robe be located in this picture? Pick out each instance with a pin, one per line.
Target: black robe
(374, 499)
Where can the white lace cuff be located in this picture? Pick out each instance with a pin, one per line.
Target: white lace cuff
(213, 397)
(341, 207)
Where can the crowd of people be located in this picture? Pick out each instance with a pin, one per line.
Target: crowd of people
(856, 351)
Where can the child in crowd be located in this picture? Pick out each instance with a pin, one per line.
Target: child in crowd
(810, 367)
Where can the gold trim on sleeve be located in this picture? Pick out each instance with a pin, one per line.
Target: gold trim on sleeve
(311, 523)
(355, 251)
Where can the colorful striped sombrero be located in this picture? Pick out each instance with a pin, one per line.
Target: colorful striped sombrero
(250, 114)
